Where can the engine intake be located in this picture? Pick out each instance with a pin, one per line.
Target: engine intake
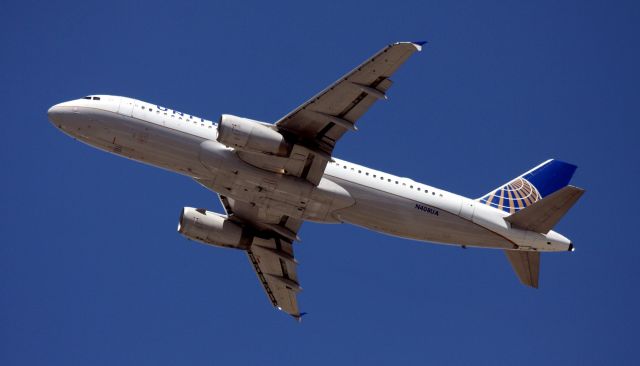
(252, 136)
(214, 229)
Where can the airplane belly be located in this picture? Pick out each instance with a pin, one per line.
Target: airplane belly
(230, 176)
(402, 217)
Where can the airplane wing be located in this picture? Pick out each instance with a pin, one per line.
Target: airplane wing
(275, 267)
(323, 119)
(271, 251)
(271, 255)
(314, 127)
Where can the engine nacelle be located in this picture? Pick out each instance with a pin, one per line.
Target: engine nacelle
(214, 229)
(252, 136)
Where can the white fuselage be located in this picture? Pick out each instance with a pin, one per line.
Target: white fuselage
(348, 192)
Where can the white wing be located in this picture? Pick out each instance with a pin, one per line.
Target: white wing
(271, 252)
(323, 119)
(315, 126)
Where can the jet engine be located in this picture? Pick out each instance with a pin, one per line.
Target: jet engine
(252, 136)
(214, 229)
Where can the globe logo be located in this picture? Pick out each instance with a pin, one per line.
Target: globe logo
(513, 196)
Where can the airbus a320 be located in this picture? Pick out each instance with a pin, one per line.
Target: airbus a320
(272, 177)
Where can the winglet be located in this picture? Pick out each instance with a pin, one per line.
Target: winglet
(419, 44)
(299, 317)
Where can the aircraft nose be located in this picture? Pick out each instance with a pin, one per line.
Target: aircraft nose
(62, 113)
(55, 114)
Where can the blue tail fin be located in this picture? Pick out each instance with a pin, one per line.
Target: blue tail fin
(530, 187)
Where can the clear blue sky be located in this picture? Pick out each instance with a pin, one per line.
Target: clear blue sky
(93, 272)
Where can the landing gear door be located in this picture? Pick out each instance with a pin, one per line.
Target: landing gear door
(126, 107)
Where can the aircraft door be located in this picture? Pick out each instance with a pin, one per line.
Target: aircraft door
(126, 107)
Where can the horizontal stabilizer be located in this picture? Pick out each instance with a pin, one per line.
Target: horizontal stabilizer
(543, 215)
(526, 265)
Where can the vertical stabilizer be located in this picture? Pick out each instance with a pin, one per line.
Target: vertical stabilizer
(531, 186)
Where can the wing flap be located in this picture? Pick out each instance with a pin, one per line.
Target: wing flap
(526, 265)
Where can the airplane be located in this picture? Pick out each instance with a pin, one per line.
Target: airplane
(272, 177)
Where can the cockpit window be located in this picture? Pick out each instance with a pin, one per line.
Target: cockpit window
(96, 98)
(87, 98)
